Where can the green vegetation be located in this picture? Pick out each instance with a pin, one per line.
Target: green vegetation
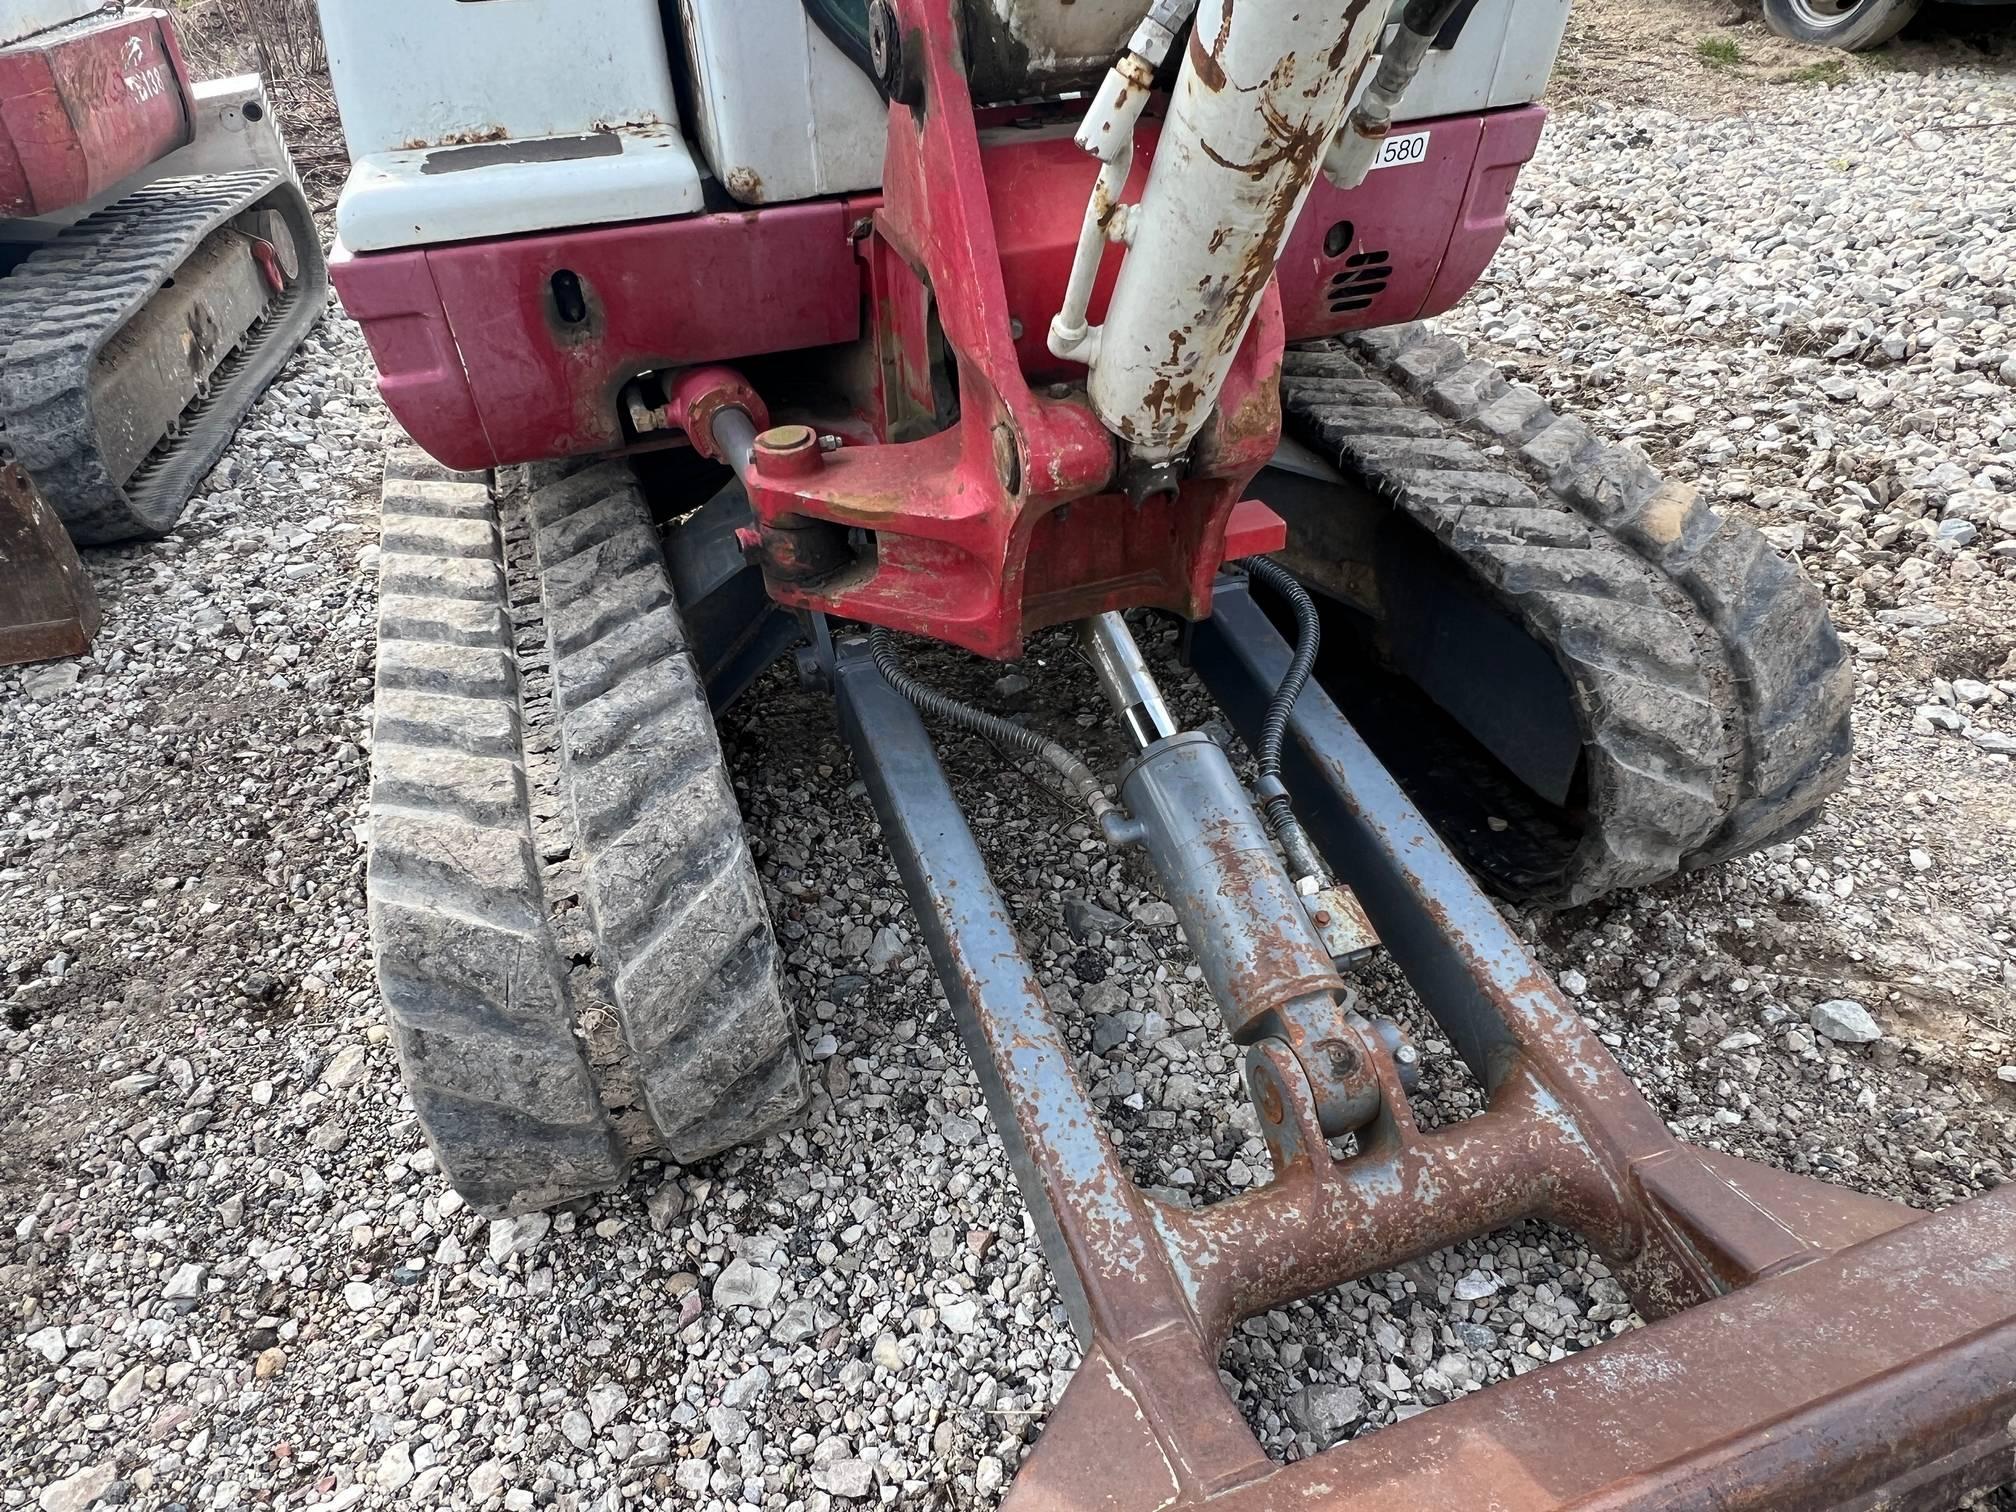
(1718, 52)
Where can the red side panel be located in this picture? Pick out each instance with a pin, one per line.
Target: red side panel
(85, 106)
(553, 325)
(1411, 240)
(719, 288)
(1406, 244)
(1037, 187)
(1509, 142)
(653, 295)
(420, 373)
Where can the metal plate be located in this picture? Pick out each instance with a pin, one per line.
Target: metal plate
(47, 606)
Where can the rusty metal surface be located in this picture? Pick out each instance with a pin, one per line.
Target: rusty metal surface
(1052, 1136)
(1502, 1013)
(1341, 921)
(1819, 1348)
(1254, 941)
(1885, 1376)
(1260, 950)
(1117, 1281)
(47, 606)
(1407, 1194)
(167, 355)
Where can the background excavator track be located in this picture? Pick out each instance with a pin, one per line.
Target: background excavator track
(67, 302)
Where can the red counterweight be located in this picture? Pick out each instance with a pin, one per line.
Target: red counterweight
(85, 106)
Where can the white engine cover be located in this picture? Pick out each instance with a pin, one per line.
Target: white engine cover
(781, 113)
(1503, 57)
(1019, 49)
(480, 120)
(24, 18)
(778, 112)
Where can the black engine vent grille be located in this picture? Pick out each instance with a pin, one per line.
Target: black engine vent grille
(1361, 280)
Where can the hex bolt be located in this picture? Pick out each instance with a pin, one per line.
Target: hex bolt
(811, 671)
(883, 42)
(899, 81)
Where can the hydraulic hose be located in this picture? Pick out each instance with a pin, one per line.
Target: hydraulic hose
(1302, 857)
(1351, 155)
(1426, 18)
(928, 700)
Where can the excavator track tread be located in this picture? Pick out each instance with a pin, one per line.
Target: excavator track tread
(680, 927)
(1712, 690)
(475, 988)
(60, 307)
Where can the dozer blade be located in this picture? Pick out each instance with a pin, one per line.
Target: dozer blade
(47, 608)
(1807, 1347)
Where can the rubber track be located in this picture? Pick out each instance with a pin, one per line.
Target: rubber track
(474, 987)
(681, 928)
(1714, 692)
(60, 307)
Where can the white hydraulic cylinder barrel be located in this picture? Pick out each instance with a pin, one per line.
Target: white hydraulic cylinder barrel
(1262, 91)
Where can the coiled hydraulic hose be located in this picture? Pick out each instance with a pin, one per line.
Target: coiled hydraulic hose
(1302, 857)
(1006, 732)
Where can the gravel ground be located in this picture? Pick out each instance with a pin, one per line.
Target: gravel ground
(235, 1278)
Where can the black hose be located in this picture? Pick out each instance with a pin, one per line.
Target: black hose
(929, 700)
(1426, 18)
(1308, 640)
(1274, 728)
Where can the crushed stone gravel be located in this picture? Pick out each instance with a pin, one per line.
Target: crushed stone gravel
(233, 1276)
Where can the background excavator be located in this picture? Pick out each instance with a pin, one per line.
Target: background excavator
(158, 264)
(733, 330)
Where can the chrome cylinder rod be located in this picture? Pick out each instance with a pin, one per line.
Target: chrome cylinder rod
(1123, 673)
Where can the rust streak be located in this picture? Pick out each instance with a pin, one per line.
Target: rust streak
(1210, 73)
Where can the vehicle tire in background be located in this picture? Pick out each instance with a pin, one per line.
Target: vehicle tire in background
(1851, 25)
